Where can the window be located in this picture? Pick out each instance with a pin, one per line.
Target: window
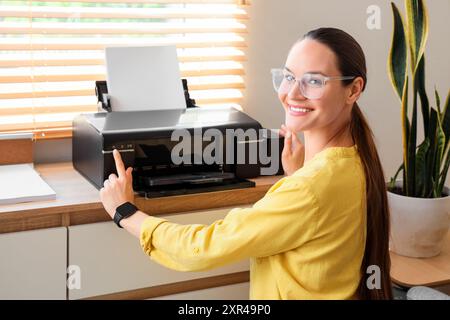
(51, 53)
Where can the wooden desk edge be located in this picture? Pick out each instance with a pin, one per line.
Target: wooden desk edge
(416, 284)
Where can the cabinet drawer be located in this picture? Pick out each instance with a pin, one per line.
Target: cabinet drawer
(111, 260)
(33, 264)
(238, 291)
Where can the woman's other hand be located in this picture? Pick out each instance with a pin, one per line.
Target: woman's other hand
(293, 154)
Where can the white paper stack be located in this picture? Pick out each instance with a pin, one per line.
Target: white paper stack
(21, 183)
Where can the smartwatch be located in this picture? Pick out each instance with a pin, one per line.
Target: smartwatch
(124, 211)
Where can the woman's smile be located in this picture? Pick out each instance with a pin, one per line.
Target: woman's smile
(298, 111)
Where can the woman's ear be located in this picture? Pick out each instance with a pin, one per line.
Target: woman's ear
(356, 87)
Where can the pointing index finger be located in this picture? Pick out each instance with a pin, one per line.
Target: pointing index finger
(119, 163)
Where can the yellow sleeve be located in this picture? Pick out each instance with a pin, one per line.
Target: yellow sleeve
(283, 220)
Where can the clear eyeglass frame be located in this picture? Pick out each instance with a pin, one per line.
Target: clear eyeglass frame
(311, 85)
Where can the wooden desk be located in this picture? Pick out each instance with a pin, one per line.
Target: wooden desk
(435, 271)
(78, 202)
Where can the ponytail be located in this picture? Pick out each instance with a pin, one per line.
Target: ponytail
(377, 237)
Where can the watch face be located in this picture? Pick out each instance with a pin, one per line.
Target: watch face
(126, 209)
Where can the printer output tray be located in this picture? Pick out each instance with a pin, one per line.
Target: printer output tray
(187, 183)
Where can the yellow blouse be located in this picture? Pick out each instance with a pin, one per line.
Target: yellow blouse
(305, 238)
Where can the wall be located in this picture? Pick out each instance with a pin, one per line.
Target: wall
(276, 24)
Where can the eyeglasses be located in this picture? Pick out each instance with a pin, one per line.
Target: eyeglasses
(311, 84)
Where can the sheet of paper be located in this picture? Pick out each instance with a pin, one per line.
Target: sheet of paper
(144, 78)
(21, 183)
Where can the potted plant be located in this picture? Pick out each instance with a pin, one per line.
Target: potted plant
(419, 203)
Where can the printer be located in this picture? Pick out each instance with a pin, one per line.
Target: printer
(147, 140)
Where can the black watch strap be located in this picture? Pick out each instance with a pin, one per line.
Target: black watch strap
(124, 211)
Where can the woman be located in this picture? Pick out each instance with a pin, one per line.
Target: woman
(316, 231)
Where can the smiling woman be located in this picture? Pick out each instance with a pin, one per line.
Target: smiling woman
(318, 233)
(337, 119)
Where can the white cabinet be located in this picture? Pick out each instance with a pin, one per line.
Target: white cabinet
(33, 264)
(111, 260)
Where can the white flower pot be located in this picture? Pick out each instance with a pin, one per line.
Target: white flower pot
(418, 225)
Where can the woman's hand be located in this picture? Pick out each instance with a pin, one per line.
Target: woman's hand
(293, 154)
(117, 189)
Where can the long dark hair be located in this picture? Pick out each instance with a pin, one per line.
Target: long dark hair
(351, 62)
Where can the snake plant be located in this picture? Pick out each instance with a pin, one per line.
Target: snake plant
(425, 166)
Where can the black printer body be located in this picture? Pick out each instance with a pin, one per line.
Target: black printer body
(145, 140)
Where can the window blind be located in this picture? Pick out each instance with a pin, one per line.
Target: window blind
(51, 53)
